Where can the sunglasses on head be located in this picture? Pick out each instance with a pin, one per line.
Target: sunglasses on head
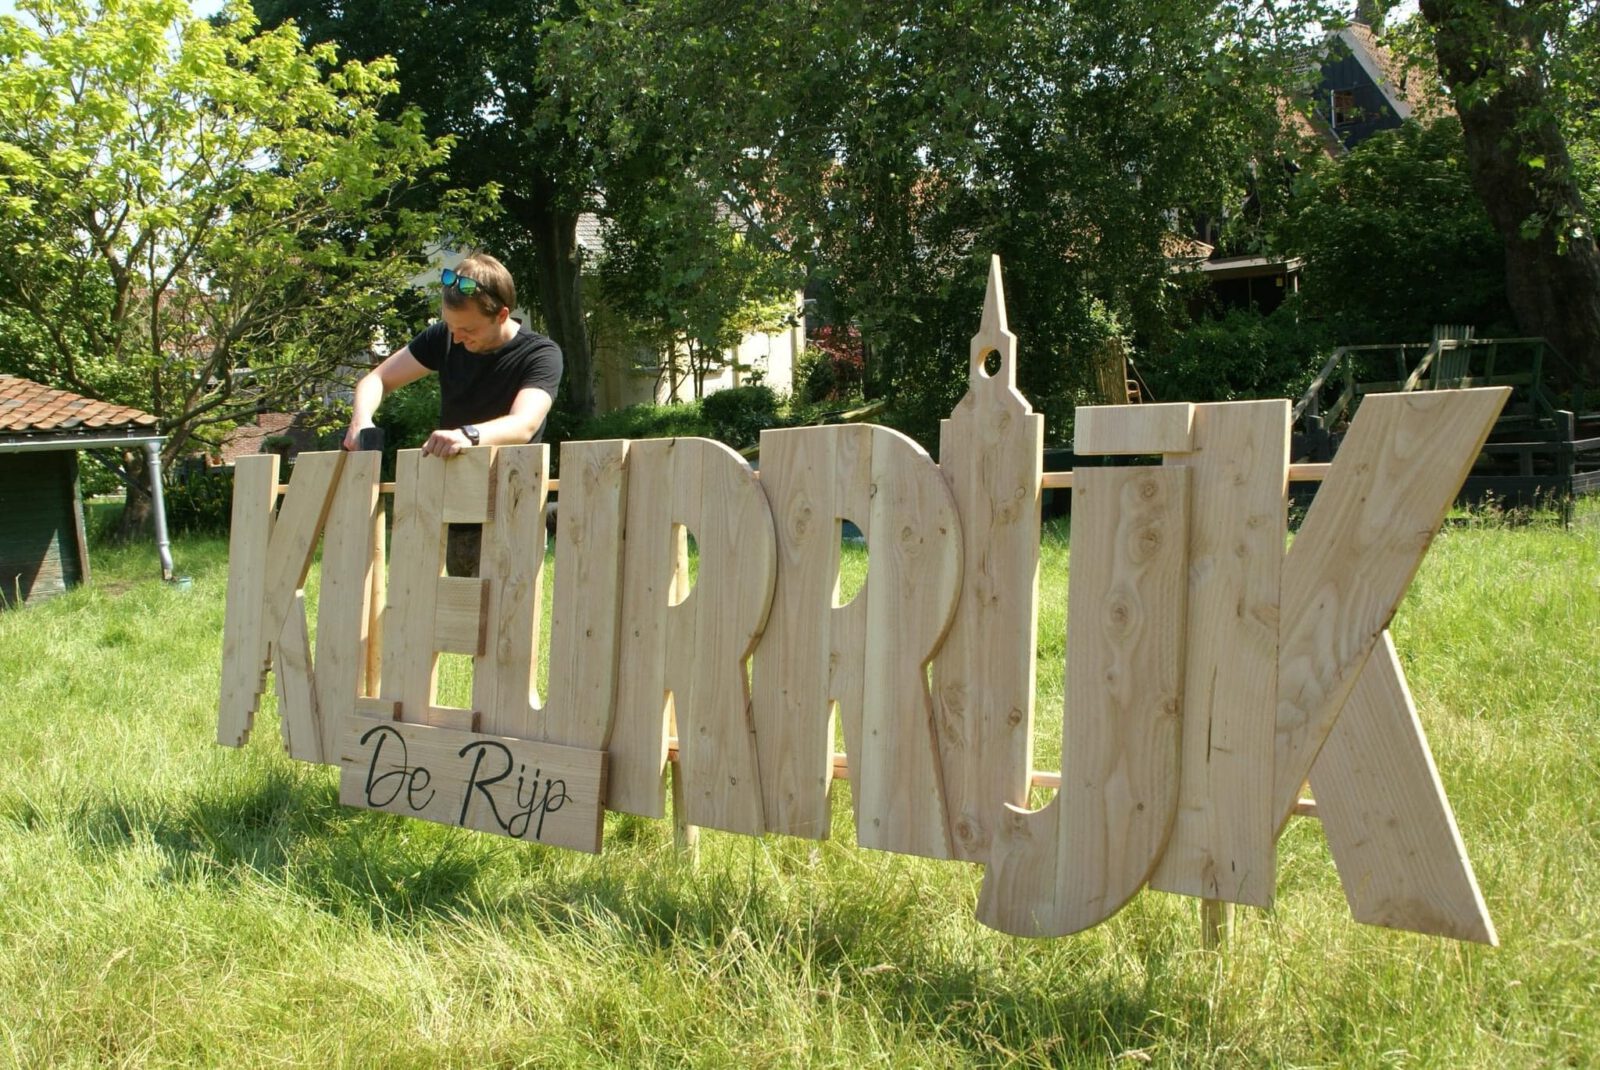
(449, 277)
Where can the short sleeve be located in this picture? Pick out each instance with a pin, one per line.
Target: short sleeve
(431, 345)
(543, 370)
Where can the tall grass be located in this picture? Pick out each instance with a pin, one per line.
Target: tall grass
(164, 901)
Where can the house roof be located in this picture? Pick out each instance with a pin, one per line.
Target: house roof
(591, 235)
(1409, 91)
(30, 409)
(247, 439)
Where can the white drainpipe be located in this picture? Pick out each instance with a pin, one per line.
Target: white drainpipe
(152, 451)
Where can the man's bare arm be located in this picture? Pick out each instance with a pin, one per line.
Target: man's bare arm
(399, 369)
(527, 415)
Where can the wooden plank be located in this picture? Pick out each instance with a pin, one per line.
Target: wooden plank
(1133, 429)
(867, 659)
(274, 558)
(586, 606)
(294, 534)
(711, 634)
(376, 598)
(792, 703)
(369, 707)
(344, 612)
(1222, 845)
(1308, 473)
(1389, 826)
(298, 720)
(990, 452)
(512, 566)
(461, 615)
(913, 579)
(638, 746)
(847, 624)
(1077, 861)
(469, 492)
(244, 647)
(1396, 473)
(411, 662)
(529, 791)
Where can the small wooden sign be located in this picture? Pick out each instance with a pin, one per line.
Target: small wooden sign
(536, 792)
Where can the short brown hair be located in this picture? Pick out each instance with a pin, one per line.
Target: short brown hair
(496, 290)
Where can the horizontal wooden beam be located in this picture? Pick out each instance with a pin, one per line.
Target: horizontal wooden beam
(1298, 473)
(1039, 778)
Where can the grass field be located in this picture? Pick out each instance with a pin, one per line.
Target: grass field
(165, 901)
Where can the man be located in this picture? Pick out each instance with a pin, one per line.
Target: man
(497, 378)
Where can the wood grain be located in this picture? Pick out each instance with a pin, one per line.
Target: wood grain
(1222, 844)
(913, 580)
(377, 596)
(411, 661)
(1076, 862)
(468, 492)
(711, 634)
(344, 602)
(460, 615)
(512, 567)
(638, 746)
(245, 649)
(300, 520)
(299, 721)
(1133, 429)
(1389, 826)
(869, 658)
(586, 605)
(990, 452)
(535, 792)
(792, 700)
(1373, 518)
(265, 591)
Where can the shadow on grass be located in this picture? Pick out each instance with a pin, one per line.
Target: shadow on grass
(863, 932)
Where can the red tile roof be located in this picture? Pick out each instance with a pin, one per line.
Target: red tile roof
(1418, 89)
(30, 408)
(249, 438)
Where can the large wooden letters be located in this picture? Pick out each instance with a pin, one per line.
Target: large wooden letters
(1210, 672)
(868, 658)
(685, 657)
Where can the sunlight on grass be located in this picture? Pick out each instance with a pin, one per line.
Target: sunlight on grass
(170, 902)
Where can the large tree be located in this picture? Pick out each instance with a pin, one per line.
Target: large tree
(1395, 240)
(479, 72)
(898, 144)
(198, 220)
(1525, 77)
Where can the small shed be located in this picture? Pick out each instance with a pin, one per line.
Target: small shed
(43, 551)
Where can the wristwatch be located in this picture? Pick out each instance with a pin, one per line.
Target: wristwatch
(471, 431)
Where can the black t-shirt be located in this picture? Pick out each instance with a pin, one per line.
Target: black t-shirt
(474, 387)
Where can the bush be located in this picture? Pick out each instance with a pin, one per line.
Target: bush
(832, 367)
(739, 415)
(200, 501)
(647, 421)
(1242, 355)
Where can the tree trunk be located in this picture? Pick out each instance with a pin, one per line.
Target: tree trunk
(135, 521)
(1522, 171)
(555, 241)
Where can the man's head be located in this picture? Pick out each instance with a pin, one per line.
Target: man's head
(477, 302)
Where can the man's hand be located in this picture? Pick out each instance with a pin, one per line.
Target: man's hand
(445, 443)
(352, 437)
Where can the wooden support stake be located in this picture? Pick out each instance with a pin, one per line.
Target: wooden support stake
(685, 837)
(1216, 923)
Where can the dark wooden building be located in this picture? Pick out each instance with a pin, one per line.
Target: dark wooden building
(43, 551)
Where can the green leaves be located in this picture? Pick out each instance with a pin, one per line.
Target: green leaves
(214, 217)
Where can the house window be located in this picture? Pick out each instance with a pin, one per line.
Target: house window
(1343, 106)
